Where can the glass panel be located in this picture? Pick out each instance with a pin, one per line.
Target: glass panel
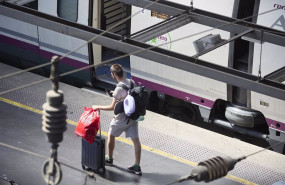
(68, 9)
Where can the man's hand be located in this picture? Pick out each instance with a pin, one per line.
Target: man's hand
(95, 107)
(109, 93)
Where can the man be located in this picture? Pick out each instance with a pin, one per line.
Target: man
(121, 123)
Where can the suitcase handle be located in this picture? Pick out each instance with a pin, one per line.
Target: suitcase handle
(100, 123)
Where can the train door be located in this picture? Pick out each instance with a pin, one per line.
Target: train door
(113, 13)
(106, 15)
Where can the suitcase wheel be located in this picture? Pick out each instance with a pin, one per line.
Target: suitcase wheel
(102, 170)
(86, 168)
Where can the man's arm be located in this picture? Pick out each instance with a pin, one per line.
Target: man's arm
(105, 107)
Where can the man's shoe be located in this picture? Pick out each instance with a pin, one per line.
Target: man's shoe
(108, 161)
(135, 169)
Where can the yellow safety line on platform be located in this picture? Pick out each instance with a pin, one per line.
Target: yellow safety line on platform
(21, 105)
(125, 140)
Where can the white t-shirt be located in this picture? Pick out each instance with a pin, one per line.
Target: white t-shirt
(121, 122)
(120, 93)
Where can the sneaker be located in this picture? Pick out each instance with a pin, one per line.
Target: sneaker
(108, 161)
(135, 169)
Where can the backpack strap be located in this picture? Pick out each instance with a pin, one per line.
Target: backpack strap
(132, 83)
(123, 86)
(126, 87)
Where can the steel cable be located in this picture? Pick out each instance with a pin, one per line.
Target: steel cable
(138, 51)
(96, 37)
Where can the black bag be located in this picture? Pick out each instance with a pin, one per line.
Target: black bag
(140, 96)
(93, 155)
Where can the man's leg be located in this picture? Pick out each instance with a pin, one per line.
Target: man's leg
(111, 145)
(137, 146)
(110, 149)
(136, 167)
(132, 132)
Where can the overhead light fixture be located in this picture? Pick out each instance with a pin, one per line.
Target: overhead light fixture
(207, 42)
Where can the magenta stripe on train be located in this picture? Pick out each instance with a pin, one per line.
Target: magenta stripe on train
(276, 124)
(66, 60)
(42, 53)
(19, 44)
(194, 99)
(175, 93)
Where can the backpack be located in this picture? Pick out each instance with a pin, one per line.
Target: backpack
(140, 97)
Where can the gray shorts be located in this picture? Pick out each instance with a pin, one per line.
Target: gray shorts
(121, 123)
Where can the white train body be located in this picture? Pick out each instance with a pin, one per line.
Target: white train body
(203, 91)
(184, 85)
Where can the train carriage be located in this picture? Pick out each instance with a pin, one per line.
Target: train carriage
(225, 105)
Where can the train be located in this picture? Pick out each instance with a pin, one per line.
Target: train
(173, 92)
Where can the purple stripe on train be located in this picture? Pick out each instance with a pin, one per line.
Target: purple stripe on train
(174, 92)
(195, 99)
(67, 61)
(42, 53)
(276, 124)
(19, 44)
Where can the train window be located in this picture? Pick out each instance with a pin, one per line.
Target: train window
(68, 9)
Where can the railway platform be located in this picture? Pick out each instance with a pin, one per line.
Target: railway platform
(170, 148)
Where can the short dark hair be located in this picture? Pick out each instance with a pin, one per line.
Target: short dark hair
(117, 69)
